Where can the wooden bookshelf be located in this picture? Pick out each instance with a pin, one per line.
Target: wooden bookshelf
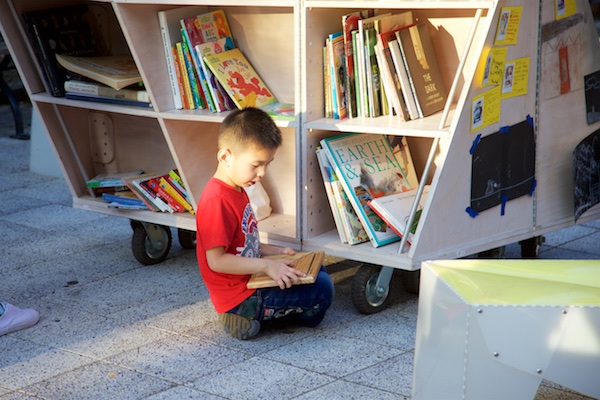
(283, 40)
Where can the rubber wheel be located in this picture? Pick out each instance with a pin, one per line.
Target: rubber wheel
(144, 251)
(530, 247)
(365, 297)
(411, 281)
(495, 253)
(187, 239)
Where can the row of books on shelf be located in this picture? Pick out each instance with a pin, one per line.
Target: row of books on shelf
(69, 44)
(138, 190)
(371, 185)
(381, 65)
(206, 69)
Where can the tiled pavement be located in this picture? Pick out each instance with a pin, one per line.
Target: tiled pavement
(111, 328)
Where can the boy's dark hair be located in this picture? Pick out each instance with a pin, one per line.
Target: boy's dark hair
(247, 127)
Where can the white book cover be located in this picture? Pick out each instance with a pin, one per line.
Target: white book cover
(395, 210)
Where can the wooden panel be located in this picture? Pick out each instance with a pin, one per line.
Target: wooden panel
(562, 119)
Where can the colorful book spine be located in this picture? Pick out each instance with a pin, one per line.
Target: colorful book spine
(179, 77)
(166, 186)
(154, 184)
(191, 73)
(185, 77)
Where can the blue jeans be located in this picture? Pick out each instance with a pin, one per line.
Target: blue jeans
(307, 304)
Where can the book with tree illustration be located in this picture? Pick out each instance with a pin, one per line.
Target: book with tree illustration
(367, 168)
(240, 80)
(308, 262)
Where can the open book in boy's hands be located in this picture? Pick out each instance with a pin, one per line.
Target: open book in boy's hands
(307, 262)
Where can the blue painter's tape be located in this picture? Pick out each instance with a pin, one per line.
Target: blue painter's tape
(533, 185)
(475, 143)
(471, 212)
(504, 200)
(529, 119)
(504, 129)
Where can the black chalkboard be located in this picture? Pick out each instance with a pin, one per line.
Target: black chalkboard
(586, 173)
(503, 166)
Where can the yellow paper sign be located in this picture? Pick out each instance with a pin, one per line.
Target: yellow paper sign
(515, 78)
(508, 25)
(564, 8)
(485, 109)
(494, 67)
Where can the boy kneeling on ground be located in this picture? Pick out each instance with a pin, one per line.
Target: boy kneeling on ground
(228, 244)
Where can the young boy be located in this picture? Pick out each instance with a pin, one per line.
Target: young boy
(228, 245)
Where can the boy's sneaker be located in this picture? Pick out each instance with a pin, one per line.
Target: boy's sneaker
(239, 327)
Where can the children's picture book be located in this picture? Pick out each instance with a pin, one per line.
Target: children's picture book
(74, 29)
(337, 74)
(240, 80)
(134, 92)
(207, 49)
(395, 210)
(169, 21)
(280, 111)
(405, 80)
(308, 262)
(423, 67)
(350, 24)
(114, 71)
(367, 168)
(213, 25)
(110, 180)
(346, 219)
(124, 198)
(107, 100)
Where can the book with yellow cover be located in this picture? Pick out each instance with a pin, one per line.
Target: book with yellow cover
(239, 79)
(307, 262)
(114, 71)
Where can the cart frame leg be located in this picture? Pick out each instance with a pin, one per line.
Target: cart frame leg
(154, 234)
(384, 279)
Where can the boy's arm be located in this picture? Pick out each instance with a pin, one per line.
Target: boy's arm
(280, 270)
(271, 250)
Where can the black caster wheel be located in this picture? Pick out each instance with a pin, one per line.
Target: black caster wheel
(411, 281)
(151, 243)
(495, 253)
(530, 247)
(365, 296)
(187, 239)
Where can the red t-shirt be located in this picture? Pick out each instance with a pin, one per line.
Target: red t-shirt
(225, 218)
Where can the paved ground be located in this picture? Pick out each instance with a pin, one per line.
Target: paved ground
(111, 328)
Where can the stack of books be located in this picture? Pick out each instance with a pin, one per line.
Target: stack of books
(206, 69)
(381, 65)
(143, 191)
(371, 185)
(76, 60)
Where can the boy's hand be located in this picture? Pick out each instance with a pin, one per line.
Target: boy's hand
(288, 250)
(283, 273)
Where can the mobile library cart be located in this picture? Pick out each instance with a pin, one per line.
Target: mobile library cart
(92, 138)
